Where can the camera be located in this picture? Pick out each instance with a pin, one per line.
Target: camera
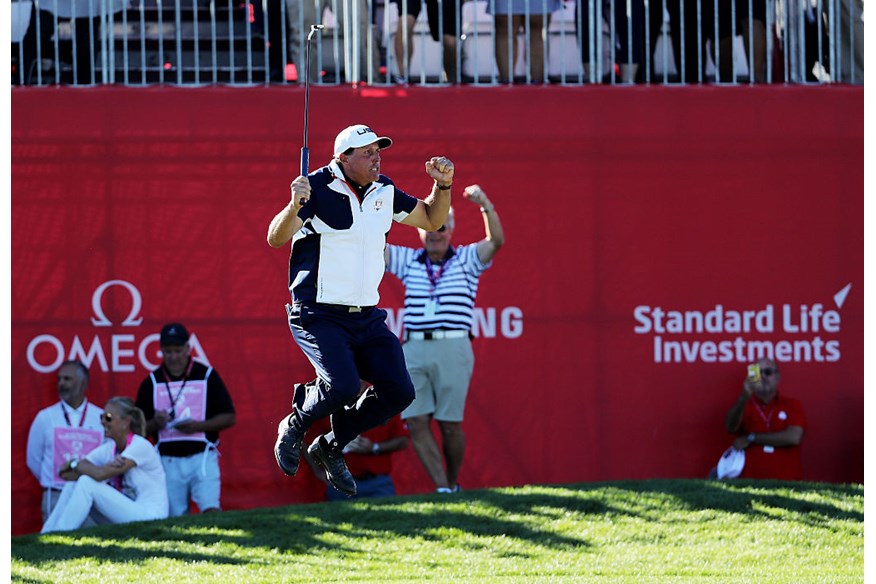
(754, 372)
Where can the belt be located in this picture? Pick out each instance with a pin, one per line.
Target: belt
(437, 335)
(342, 307)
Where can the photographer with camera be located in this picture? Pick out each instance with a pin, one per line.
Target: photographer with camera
(770, 426)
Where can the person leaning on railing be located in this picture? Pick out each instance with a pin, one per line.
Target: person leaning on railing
(852, 41)
(630, 48)
(510, 17)
(742, 25)
(42, 40)
(443, 29)
(683, 26)
(301, 15)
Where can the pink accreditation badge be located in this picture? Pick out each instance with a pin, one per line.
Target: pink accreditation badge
(188, 402)
(73, 443)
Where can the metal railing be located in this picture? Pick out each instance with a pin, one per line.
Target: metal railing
(249, 42)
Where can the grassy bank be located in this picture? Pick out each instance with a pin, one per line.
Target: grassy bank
(633, 531)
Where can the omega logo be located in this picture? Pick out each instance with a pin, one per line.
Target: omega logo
(100, 318)
(46, 352)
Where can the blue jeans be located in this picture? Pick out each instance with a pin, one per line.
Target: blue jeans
(376, 486)
(343, 348)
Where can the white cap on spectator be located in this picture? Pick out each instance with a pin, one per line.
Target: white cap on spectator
(358, 136)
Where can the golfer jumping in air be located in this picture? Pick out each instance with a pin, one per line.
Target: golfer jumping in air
(337, 219)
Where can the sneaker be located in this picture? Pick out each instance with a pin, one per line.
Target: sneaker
(287, 450)
(399, 80)
(331, 459)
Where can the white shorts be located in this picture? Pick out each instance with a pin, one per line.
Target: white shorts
(195, 478)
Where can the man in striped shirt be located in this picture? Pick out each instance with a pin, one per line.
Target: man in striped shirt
(441, 282)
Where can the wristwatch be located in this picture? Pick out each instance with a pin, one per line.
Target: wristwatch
(375, 449)
(751, 437)
(74, 463)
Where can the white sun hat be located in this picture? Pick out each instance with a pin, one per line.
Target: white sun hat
(731, 464)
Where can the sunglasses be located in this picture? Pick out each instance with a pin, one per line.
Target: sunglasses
(767, 371)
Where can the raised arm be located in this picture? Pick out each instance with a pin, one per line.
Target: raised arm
(431, 212)
(286, 223)
(733, 419)
(494, 234)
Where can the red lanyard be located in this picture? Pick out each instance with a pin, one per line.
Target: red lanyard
(67, 418)
(434, 277)
(767, 418)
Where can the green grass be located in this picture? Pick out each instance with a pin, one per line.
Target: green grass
(632, 531)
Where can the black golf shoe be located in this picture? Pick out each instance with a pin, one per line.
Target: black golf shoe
(287, 450)
(331, 459)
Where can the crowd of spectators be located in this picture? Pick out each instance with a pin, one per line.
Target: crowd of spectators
(608, 41)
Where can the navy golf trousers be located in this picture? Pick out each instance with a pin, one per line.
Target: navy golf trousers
(343, 348)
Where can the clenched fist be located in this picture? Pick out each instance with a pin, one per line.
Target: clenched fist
(476, 195)
(441, 170)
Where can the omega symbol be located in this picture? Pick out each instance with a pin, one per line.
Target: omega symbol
(100, 319)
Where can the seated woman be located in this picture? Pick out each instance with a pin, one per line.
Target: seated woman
(122, 479)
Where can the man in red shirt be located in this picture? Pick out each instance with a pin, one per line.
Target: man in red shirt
(368, 456)
(770, 427)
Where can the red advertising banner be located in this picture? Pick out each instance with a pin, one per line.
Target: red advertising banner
(658, 240)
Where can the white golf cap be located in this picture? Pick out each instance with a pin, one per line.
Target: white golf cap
(731, 464)
(358, 136)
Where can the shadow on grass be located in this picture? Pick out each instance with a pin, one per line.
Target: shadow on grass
(427, 517)
(747, 497)
(301, 529)
(525, 513)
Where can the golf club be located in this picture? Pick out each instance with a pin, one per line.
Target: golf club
(305, 153)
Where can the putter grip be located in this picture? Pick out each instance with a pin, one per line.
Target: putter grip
(305, 158)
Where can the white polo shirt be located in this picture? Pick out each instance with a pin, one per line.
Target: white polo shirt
(337, 255)
(41, 439)
(442, 296)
